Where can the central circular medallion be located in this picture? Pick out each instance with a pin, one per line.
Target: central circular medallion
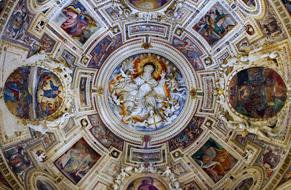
(147, 92)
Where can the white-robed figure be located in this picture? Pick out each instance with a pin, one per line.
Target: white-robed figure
(143, 95)
(141, 100)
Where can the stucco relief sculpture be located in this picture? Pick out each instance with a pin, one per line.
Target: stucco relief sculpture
(147, 93)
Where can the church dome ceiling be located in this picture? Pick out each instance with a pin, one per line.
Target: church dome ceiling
(145, 94)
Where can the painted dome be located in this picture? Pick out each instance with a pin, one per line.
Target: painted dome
(33, 93)
(145, 94)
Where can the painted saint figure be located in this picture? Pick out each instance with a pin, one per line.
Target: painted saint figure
(214, 160)
(76, 21)
(215, 24)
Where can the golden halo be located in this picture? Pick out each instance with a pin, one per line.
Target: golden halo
(141, 61)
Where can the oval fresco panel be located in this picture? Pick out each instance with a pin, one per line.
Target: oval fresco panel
(33, 93)
(147, 92)
(148, 183)
(257, 92)
(148, 5)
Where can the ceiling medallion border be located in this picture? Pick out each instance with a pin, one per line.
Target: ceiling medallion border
(119, 128)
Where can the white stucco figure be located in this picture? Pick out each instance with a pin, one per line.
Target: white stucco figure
(271, 128)
(242, 126)
(128, 169)
(167, 172)
(42, 128)
(140, 169)
(149, 95)
(249, 155)
(151, 168)
(256, 57)
(176, 186)
(123, 174)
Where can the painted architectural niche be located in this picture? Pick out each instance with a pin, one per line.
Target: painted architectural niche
(257, 92)
(147, 92)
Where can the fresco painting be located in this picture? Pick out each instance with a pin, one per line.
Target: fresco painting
(271, 25)
(215, 24)
(82, 91)
(19, 22)
(190, 134)
(146, 183)
(146, 94)
(17, 97)
(103, 49)
(48, 140)
(148, 5)
(68, 58)
(76, 21)
(190, 50)
(46, 45)
(18, 159)
(33, 100)
(271, 157)
(214, 160)
(113, 13)
(103, 134)
(76, 162)
(49, 94)
(257, 92)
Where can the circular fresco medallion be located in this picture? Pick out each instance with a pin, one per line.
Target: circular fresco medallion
(257, 92)
(33, 93)
(149, 183)
(148, 5)
(147, 92)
